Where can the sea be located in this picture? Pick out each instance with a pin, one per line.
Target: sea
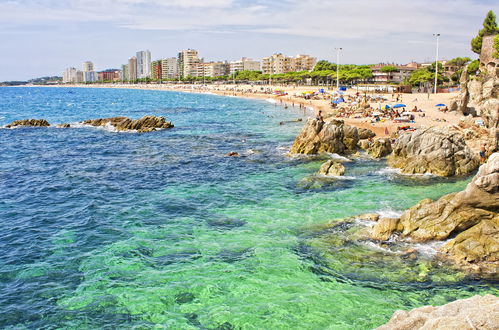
(114, 230)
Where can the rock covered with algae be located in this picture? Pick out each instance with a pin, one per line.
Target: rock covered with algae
(470, 218)
(478, 312)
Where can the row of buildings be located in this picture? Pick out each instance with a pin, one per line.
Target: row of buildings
(188, 63)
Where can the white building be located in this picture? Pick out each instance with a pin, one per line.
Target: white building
(244, 64)
(143, 64)
(169, 68)
(72, 76)
(188, 63)
(89, 74)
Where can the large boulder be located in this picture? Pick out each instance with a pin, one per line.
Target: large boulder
(380, 148)
(144, 124)
(332, 168)
(478, 312)
(318, 136)
(29, 123)
(439, 151)
(365, 133)
(470, 218)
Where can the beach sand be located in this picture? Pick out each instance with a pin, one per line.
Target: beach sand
(423, 101)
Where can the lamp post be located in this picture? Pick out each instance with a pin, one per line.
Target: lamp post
(437, 35)
(338, 67)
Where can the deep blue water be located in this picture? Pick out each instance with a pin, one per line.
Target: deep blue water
(103, 230)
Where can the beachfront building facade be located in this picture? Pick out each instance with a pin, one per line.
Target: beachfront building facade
(169, 68)
(124, 72)
(89, 74)
(213, 69)
(188, 63)
(72, 76)
(143, 64)
(109, 75)
(156, 73)
(279, 63)
(244, 64)
(386, 73)
(132, 68)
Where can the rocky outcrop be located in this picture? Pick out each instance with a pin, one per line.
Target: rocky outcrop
(144, 124)
(380, 148)
(29, 123)
(332, 136)
(332, 168)
(63, 126)
(439, 151)
(365, 133)
(470, 218)
(478, 312)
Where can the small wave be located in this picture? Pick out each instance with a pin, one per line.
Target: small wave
(397, 171)
(429, 249)
(338, 157)
(389, 213)
(338, 177)
(271, 101)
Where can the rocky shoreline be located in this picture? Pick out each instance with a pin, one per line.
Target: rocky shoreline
(121, 124)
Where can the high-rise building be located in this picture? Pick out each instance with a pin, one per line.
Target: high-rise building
(169, 68)
(124, 72)
(143, 64)
(88, 66)
(279, 63)
(213, 69)
(89, 74)
(188, 62)
(156, 70)
(72, 75)
(132, 68)
(109, 75)
(244, 64)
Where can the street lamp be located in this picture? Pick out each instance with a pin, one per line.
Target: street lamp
(338, 67)
(437, 35)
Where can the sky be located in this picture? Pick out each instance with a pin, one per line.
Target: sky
(43, 37)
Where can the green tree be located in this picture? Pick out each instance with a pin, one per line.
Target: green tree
(496, 46)
(460, 61)
(473, 67)
(489, 27)
(389, 68)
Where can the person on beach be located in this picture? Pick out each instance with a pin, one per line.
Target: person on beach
(319, 116)
(483, 150)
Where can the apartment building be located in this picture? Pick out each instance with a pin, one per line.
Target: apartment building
(279, 63)
(169, 68)
(143, 64)
(188, 63)
(244, 64)
(396, 76)
(132, 68)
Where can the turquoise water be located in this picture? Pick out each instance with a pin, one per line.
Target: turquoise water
(160, 230)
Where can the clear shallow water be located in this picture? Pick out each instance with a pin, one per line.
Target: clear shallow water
(106, 230)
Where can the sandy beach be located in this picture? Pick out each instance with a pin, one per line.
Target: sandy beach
(293, 97)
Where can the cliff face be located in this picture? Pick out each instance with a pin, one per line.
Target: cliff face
(479, 95)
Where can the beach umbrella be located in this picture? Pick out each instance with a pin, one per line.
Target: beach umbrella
(377, 114)
(440, 105)
(387, 106)
(400, 105)
(354, 103)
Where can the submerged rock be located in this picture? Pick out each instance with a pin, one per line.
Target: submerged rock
(63, 126)
(380, 148)
(332, 136)
(144, 124)
(332, 168)
(232, 154)
(29, 123)
(478, 312)
(439, 151)
(470, 217)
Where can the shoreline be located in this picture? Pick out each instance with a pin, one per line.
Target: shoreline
(433, 117)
